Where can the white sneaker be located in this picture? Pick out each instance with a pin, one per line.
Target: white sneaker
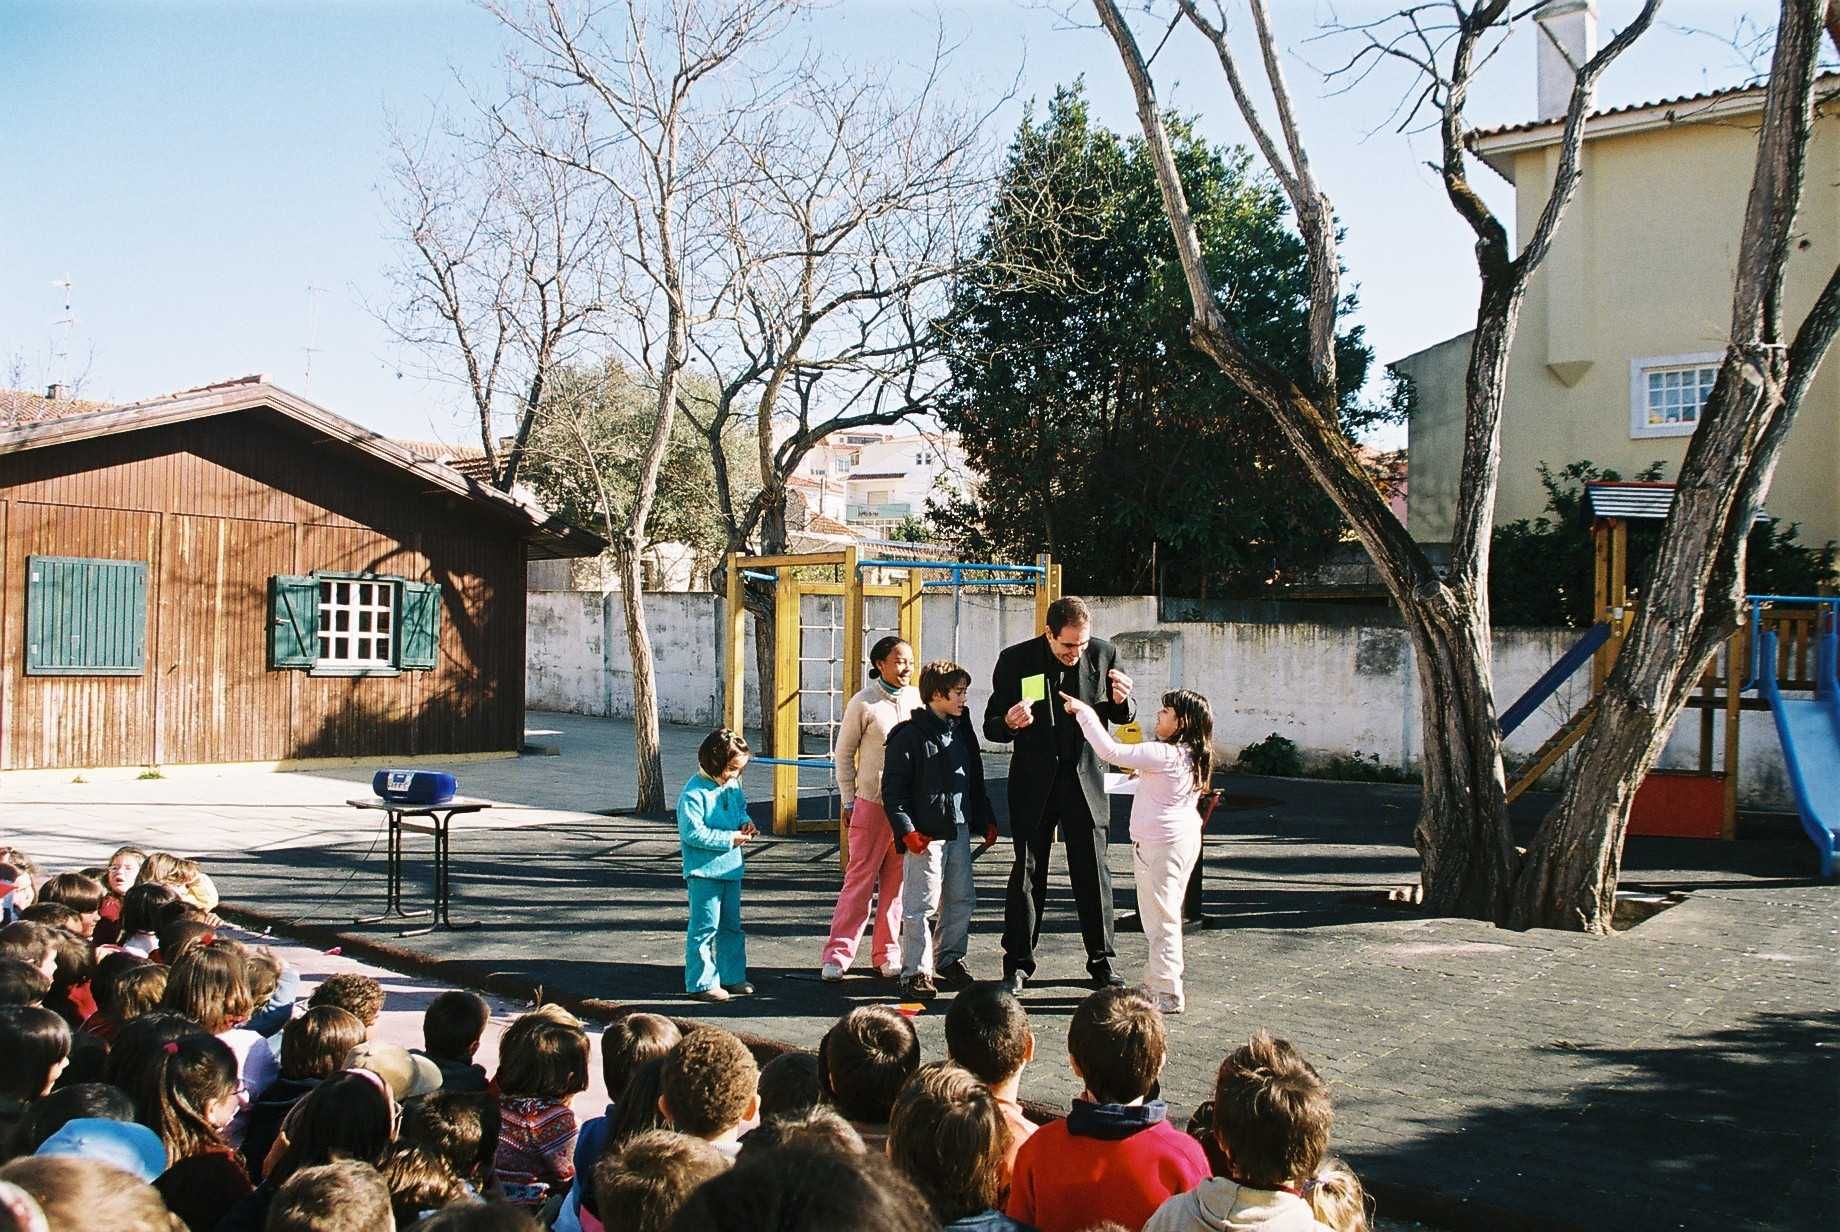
(1168, 1003)
(890, 971)
(830, 973)
(716, 995)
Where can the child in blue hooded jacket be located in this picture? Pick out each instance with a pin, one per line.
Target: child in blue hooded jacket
(713, 826)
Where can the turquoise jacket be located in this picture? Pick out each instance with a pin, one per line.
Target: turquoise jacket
(708, 814)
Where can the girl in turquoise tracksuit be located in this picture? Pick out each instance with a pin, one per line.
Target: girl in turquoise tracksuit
(713, 825)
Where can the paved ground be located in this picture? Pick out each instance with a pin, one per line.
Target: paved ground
(1679, 1075)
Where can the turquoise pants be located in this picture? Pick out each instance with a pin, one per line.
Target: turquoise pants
(715, 925)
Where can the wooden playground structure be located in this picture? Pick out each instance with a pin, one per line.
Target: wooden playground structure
(823, 660)
(1703, 802)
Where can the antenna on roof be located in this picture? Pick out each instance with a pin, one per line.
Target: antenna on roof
(62, 328)
(306, 382)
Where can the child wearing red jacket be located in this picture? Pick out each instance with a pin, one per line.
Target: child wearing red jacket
(1115, 1156)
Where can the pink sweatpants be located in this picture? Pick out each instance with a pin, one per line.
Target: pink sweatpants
(874, 869)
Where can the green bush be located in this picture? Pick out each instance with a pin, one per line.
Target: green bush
(1368, 768)
(1274, 755)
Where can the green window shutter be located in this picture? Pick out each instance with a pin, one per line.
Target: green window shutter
(85, 617)
(293, 621)
(419, 626)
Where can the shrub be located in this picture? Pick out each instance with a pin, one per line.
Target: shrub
(1358, 768)
(1274, 755)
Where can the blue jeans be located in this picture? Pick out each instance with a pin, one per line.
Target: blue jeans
(715, 924)
(937, 897)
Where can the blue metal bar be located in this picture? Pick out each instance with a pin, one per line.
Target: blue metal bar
(1757, 602)
(953, 566)
(755, 575)
(1556, 675)
(815, 763)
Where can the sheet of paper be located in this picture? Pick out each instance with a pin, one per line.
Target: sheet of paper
(1034, 688)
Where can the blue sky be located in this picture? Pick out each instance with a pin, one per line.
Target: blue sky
(193, 166)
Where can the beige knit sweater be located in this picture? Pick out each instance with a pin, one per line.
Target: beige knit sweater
(867, 720)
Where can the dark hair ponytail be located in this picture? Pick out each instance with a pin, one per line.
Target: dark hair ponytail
(1194, 732)
(881, 650)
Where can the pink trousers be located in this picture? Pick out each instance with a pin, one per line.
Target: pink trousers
(874, 869)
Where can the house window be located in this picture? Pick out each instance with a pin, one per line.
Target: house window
(85, 617)
(343, 624)
(356, 622)
(1666, 392)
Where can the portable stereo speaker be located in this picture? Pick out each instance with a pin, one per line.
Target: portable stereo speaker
(414, 786)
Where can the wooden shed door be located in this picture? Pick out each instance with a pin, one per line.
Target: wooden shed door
(218, 701)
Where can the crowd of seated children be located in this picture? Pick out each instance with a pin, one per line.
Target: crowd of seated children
(154, 1074)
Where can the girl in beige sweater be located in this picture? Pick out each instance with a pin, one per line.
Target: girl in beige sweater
(875, 861)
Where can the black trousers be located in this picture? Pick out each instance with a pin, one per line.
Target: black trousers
(1085, 839)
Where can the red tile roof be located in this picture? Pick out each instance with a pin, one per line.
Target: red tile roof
(19, 407)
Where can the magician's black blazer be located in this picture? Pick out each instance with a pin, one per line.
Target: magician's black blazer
(1034, 752)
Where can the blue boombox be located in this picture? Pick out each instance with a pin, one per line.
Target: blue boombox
(414, 786)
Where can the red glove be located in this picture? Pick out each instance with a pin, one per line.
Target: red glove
(990, 835)
(914, 841)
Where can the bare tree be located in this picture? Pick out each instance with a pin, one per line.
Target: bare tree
(1695, 596)
(1468, 856)
(503, 275)
(1568, 876)
(644, 98)
(844, 214)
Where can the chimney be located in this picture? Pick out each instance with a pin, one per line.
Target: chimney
(1567, 37)
(56, 392)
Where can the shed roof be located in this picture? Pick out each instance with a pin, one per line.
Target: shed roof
(545, 535)
(17, 406)
(1632, 500)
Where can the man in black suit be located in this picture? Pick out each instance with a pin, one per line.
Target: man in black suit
(1056, 780)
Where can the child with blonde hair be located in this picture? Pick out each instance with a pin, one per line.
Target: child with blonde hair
(1336, 1197)
(713, 826)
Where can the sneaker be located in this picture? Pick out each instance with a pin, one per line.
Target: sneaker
(1169, 1003)
(1014, 982)
(920, 987)
(889, 970)
(956, 975)
(830, 973)
(710, 994)
(743, 989)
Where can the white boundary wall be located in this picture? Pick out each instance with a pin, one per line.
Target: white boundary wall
(1330, 688)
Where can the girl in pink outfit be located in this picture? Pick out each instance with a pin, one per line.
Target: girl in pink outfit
(875, 861)
(1172, 772)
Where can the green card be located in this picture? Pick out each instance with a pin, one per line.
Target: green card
(1034, 688)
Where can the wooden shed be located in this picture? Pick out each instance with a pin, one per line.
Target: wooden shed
(238, 575)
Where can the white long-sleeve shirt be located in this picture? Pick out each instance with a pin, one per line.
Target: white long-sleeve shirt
(1163, 810)
(867, 720)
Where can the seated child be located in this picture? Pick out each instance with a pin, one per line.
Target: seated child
(142, 909)
(347, 1195)
(1271, 1118)
(34, 944)
(420, 1181)
(273, 987)
(124, 867)
(34, 1049)
(542, 1064)
(71, 995)
(184, 877)
(817, 1127)
(81, 894)
(22, 983)
(65, 1192)
(789, 1086)
(452, 1026)
(807, 1188)
(713, 827)
(627, 1043)
(1336, 1197)
(987, 1033)
(313, 1048)
(933, 793)
(208, 986)
(358, 994)
(948, 1135)
(641, 1186)
(195, 1080)
(1115, 1156)
(710, 1088)
(459, 1126)
(863, 1062)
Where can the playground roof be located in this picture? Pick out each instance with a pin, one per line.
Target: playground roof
(1632, 500)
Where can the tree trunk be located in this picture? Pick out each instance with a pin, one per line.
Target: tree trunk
(1695, 594)
(647, 756)
(763, 601)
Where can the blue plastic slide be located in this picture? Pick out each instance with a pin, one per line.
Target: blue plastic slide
(1810, 733)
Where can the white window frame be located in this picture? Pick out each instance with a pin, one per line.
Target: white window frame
(1639, 427)
(381, 606)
